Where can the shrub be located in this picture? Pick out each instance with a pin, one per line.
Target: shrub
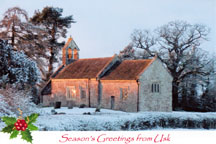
(12, 99)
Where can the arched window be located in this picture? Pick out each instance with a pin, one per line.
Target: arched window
(76, 56)
(69, 53)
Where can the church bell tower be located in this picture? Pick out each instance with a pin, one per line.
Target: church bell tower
(70, 52)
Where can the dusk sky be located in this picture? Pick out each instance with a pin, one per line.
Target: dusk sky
(103, 27)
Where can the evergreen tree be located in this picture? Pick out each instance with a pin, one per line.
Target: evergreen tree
(16, 68)
(52, 20)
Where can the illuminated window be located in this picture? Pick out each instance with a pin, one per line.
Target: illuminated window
(69, 53)
(155, 88)
(75, 54)
(123, 93)
(70, 92)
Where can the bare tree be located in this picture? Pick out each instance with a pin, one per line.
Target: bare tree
(175, 44)
(143, 39)
(208, 96)
(193, 85)
(128, 52)
(12, 24)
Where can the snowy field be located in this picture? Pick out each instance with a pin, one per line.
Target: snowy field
(74, 119)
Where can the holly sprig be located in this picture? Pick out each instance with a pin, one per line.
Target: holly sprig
(13, 130)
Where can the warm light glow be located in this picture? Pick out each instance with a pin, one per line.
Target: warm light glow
(75, 54)
(71, 92)
(69, 53)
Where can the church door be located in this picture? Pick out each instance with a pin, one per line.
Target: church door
(112, 102)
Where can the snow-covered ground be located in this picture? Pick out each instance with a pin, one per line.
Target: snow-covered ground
(74, 119)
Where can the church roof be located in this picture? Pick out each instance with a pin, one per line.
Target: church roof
(127, 69)
(68, 42)
(93, 67)
(84, 68)
(71, 43)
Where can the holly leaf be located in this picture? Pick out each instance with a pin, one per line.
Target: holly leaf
(32, 118)
(26, 135)
(32, 127)
(8, 129)
(9, 120)
(14, 134)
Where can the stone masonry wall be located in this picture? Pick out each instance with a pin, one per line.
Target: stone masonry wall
(162, 101)
(112, 88)
(59, 91)
(93, 93)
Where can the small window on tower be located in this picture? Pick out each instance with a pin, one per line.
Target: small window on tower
(69, 53)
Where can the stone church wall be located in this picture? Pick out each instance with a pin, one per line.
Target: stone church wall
(156, 73)
(59, 87)
(113, 88)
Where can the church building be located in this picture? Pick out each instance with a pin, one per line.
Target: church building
(110, 83)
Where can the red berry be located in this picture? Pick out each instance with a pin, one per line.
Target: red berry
(18, 128)
(23, 121)
(16, 124)
(23, 128)
(25, 125)
(20, 124)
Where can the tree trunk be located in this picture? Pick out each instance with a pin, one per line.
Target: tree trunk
(184, 97)
(175, 103)
(51, 60)
(13, 36)
(52, 54)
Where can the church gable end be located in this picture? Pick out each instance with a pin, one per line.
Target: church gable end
(155, 92)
